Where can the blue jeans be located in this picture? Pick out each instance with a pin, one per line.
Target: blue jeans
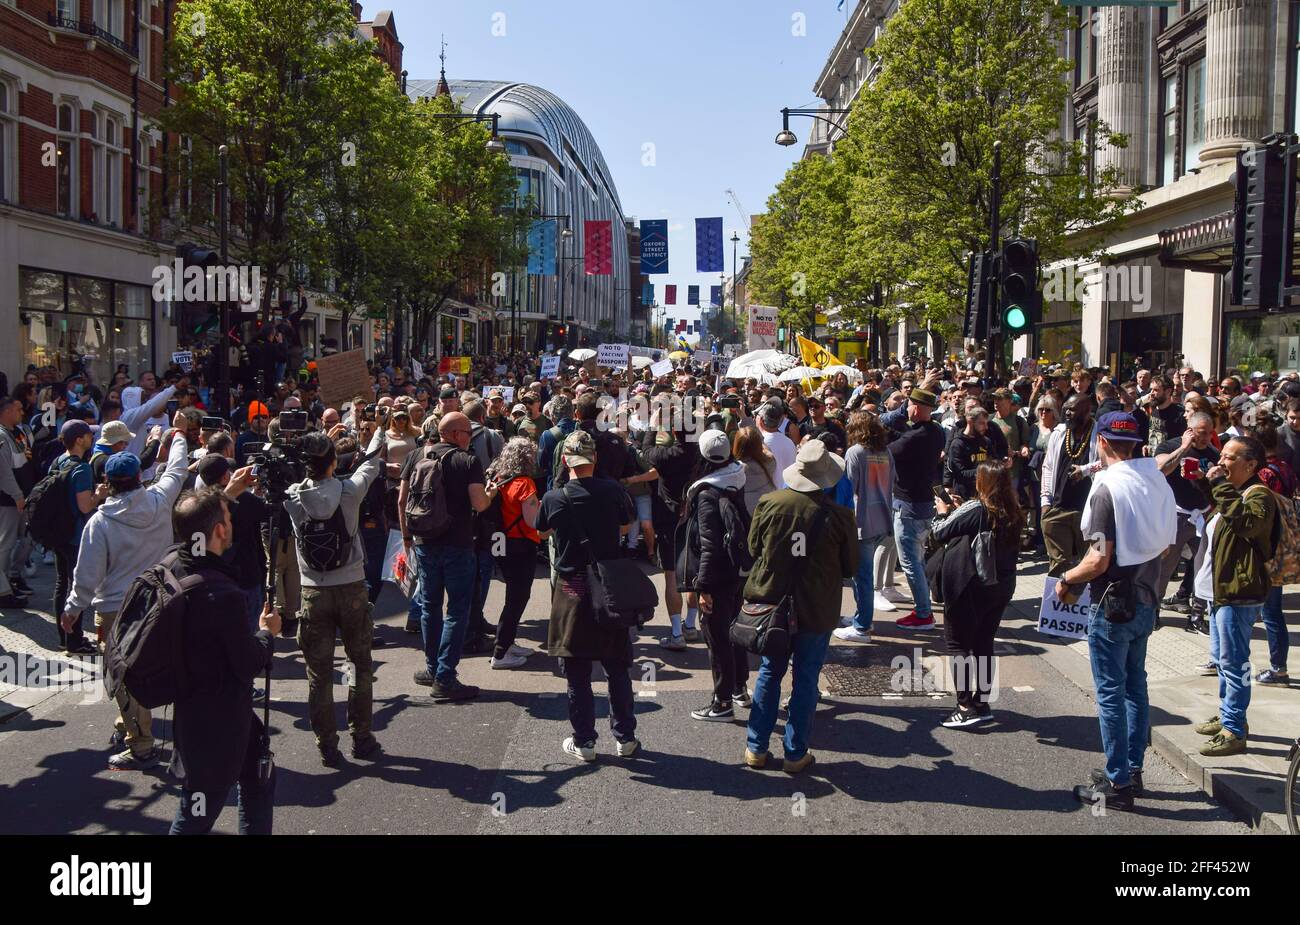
(453, 569)
(807, 653)
(1279, 638)
(483, 567)
(1119, 675)
(910, 533)
(375, 543)
(1233, 623)
(864, 584)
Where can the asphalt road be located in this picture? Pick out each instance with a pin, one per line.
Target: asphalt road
(884, 765)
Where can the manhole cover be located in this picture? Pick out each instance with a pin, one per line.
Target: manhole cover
(882, 670)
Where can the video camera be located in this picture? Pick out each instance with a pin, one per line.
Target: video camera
(280, 463)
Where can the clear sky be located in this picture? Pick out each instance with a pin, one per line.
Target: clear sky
(702, 81)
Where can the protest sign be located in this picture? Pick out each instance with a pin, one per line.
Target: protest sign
(184, 359)
(342, 377)
(662, 368)
(1056, 618)
(550, 367)
(613, 356)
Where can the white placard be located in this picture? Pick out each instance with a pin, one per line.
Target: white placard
(1059, 619)
(762, 328)
(613, 356)
(662, 368)
(417, 371)
(184, 359)
(508, 394)
(704, 357)
(1288, 357)
(550, 367)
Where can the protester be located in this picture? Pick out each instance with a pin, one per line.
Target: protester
(870, 469)
(513, 471)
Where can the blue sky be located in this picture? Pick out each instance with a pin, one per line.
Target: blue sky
(702, 81)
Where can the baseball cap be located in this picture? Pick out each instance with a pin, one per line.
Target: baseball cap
(1118, 425)
(519, 409)
(122, 466)
(579, 449)
(715, 446)
(72, 430)
(114, 432)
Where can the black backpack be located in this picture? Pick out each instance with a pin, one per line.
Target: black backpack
(735, 526)
(146, 653)
(51, 512)
(324, 544)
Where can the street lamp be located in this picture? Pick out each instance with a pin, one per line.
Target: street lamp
(735, 241)
(495, 145)
(785, 138)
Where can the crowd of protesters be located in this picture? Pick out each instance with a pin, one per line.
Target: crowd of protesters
(945, 471)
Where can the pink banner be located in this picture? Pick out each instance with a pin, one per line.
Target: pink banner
(670, 295)
(598, 236)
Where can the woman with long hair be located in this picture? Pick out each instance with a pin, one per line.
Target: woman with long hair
(513, 472)
(971, 621)
(870, 470)
(760, 467)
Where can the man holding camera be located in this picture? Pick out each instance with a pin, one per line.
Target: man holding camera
(324, 512)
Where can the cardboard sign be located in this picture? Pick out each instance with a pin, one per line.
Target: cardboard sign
(184, 359)
(613, 356)
(343, 376)
(662, 368)
(1059, 619)
(550, 367)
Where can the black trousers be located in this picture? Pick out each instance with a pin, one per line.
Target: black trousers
(518, 568)
(582, 702)
(65, 563)
(969, 626)
(728, 662)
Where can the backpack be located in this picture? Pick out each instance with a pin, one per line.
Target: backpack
(97, 461)
(735, 526)
(489, 447)
(1284, 566)
(51, 509)
(426, 500)
(145, 653)
(324, 544)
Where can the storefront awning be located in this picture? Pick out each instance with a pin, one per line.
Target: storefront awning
(1204, 245)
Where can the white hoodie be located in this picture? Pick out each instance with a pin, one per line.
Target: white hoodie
(729, 476)
(1146, 523)
(129, 534)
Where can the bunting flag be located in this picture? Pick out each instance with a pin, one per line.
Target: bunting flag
(715, 296)
(692, 295)
(648, 294)
(708, 245)
(670, 295)
(654, 246)
(668, 324)
(681, 326)
(541, 248)
(814, 354)
(599, 242)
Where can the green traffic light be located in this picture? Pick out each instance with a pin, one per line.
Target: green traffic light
(1015, 318)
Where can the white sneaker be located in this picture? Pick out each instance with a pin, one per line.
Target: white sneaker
(846, 621)
(628, 749)
(883, 603)
(585, 752)
(509, 660)
(851, 634)
(522, 651)
(893, 594)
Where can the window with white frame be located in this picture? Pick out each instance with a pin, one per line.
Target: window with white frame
(144, 37)
(111, 210)
(66, 10)
(109, 16)
(8, 142)
(96, 166)
(143, 159)
(1194, 114)
(66, 161)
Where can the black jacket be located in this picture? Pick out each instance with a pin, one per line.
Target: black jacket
(213, 724)
(970, 520)
(965, 454)
(249, 516)
(703, 563)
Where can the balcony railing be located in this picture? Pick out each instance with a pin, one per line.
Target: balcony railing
(59, 21)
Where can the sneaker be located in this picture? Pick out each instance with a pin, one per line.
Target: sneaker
(960, 719)
(21, 587)
(715, 712)
(1211, 727)
(1135, 780)
(1209, 669)
(915, 623)
(627, 749)
(366, 748)
(452, 692)
(673, 643)
(479, 645)
(13, 602)
(851, 634)
(522, 651)
(1177, 603)
(509, 660)
(130, 761)
(691, 634)
(413, 626)
(883, 604)
(424, 677)
(756, 761)
(1273, 676)
(1106, 794)
(893, 594)
(1196, 624)
(794, 767)
(846, 621)
(330, 756)
(29, 570)
(1224, 744)
(585, 753)
(742, 698)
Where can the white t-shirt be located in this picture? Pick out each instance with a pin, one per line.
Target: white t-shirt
(1204, 582)
(783, 451)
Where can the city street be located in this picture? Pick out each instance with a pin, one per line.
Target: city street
(884, 765)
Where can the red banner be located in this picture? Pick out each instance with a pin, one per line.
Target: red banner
(670, 295)
(598, 236)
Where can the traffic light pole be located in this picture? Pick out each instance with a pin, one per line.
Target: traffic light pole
(223, 309)
(994, 365)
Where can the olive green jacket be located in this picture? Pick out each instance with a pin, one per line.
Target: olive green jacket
(1243, 541)
(779, 540)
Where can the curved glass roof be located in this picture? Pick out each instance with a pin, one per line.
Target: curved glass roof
(526, 110)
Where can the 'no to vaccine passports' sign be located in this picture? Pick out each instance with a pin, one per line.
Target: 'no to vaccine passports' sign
(1057, 618)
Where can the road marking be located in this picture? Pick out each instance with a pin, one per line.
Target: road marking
(1022, 690)
(647, 693)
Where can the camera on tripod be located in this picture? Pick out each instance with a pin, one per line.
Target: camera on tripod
(279, 463)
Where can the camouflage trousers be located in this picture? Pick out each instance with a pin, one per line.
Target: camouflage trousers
(344, 609)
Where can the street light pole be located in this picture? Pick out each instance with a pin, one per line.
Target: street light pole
(735, 278)
(223, 308)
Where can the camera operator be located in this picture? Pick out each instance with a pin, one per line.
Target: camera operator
(334, 594)
(218, 736)
(288, 582)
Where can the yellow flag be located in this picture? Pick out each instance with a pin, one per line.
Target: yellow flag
(814, 354)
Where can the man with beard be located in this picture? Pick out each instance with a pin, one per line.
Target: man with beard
(1068, 464)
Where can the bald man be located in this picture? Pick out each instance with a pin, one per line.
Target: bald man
(446, 557)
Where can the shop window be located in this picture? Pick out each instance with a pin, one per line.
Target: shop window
(1262, 343)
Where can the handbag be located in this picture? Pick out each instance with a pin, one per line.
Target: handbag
(982, 547)
(622, 596)
(768, 629)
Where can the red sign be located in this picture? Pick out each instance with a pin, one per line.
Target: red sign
(599, 241)
(670, 295)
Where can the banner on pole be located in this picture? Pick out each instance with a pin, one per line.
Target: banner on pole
(654, 246)
(708, 245)
(670, 295)
(541, 248)
(648, 294)
(692, 295)
(599, 241)
(715, 296)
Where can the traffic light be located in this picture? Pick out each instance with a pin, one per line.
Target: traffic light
(978, 276)
(195, 319)
(1259, 227)
(1020, 302)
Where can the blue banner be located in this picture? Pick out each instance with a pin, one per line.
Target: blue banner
(541, 248)
(715, 296)
(668, 324)
(648, 294)
(654, 246)
(692, 295)
(708, 245)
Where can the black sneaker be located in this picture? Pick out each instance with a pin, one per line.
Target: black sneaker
(13, 602)
(1195, 624)
(1105, 794)
(19, 584)
(366, 748)
(1177, 603)
(960, 719)
(453, 692)
(331, 756)
(479, 645)
(424, 676)
(715, 712)
(1135, 780)
(413, 626)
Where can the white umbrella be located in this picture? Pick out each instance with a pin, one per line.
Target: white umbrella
(757, 362)
(800, 373)
(641, 362)
(582, 354)
(830, 372)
